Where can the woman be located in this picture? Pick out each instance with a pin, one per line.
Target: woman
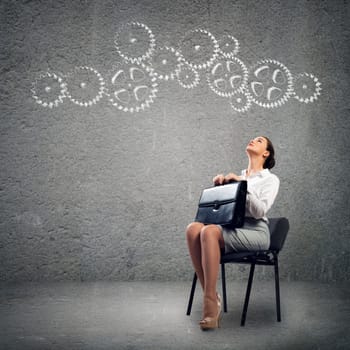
(205, 242)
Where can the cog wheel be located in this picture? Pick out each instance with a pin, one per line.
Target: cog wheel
(307, 87)
(135, 42)
(187, 76)
(241, 101)
(85, 85)
(199, 48)
(49, 90)
(166, 63)
(270, 83)
(228, 46)
(133, 87)
(227, 76)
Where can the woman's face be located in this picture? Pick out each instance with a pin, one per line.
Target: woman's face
(258, 146)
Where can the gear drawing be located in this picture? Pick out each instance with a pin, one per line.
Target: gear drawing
(228, 46)
(227, 76)
(307, 87)
(187, 76)
(85, 85)
(270, 83)
(133, 82)
(133, 87)
(135, 42)
(49, 90)
(165, 62)
(241, 101)
(199, 48)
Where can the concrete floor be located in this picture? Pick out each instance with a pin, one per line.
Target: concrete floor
(151, 315)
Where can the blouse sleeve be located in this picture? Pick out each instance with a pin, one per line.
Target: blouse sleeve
(260, 200)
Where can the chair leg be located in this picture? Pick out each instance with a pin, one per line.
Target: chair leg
(190, 301)
(277, 288)
(247, 295)
(223, 280)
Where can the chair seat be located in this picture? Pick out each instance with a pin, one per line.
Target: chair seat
(237, 256)
(264, 257)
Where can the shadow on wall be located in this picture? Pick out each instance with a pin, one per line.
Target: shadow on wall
(132, 85)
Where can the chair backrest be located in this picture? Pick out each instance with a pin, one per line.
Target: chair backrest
(279, 228)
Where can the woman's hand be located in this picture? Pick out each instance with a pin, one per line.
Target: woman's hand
(221, 179)
(218, 179)
(231, 177)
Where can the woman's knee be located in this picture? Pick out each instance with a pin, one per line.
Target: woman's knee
(210, 233)
(193, 230)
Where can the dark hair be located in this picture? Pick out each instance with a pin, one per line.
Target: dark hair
(270, 160)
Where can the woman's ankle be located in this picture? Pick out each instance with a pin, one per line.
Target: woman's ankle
(210, 306)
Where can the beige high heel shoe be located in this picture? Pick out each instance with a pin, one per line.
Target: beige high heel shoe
(218, 298)
(212, 322)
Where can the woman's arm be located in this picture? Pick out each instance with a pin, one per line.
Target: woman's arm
(260, 201)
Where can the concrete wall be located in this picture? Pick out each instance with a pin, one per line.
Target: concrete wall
(99, 184)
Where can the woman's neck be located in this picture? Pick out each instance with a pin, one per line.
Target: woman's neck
(255, 165)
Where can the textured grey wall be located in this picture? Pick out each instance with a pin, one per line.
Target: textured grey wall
(93, 192)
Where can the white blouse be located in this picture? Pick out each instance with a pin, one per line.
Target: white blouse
(261, 193)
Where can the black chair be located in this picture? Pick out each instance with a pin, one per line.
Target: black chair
(279, 228)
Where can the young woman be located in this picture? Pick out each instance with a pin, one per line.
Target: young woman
(205, 242)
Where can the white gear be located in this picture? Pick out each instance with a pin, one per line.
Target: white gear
(187, 76)
(199, 48)
(133, 87)
(135, 42)
(241, 101)
(229, 46)
(85, 85)
(49, 90)
(227, 76)
(270, 83)
(307, 87)
(166, 62)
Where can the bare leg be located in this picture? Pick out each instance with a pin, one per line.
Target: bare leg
(194, 246)
(211, 241)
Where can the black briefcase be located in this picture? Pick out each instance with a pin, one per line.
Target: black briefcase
(223, 205)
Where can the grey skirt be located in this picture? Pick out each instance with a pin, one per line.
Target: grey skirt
(254, 235)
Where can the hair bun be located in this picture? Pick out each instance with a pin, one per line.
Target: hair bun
(269, 162)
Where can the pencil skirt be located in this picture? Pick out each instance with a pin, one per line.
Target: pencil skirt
(254, 235)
